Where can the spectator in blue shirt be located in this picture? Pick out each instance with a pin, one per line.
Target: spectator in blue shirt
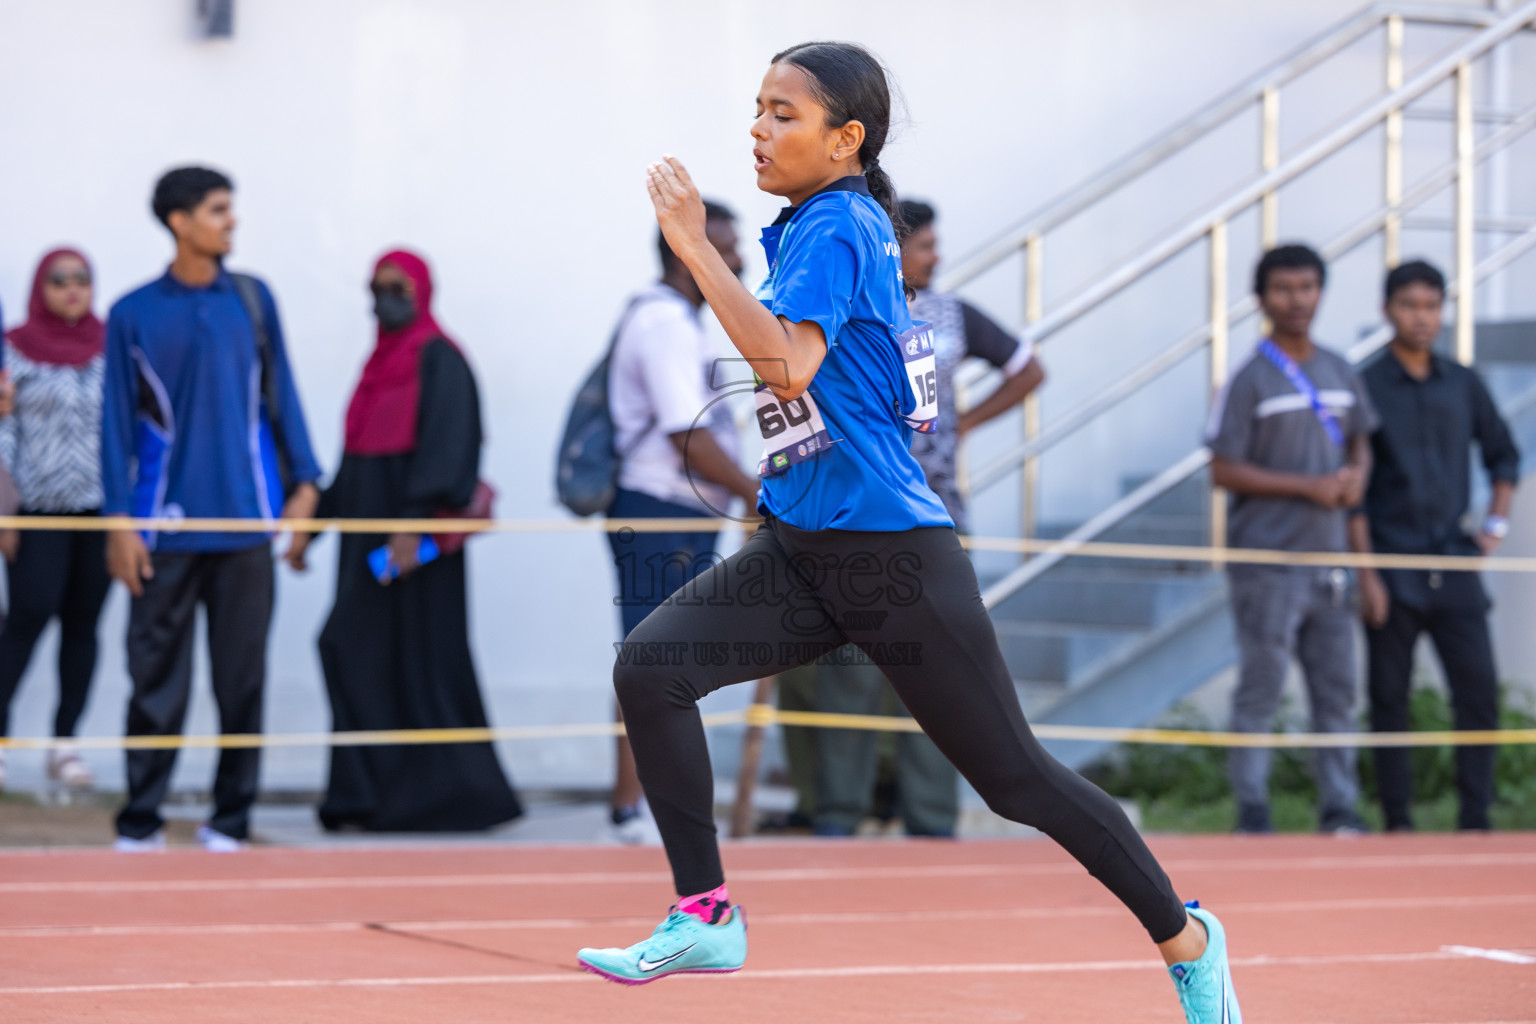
(201, 419)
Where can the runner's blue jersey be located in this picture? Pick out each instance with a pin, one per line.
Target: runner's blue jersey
(834, 260)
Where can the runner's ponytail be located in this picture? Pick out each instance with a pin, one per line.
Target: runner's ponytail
(883, 191)
(851, 83)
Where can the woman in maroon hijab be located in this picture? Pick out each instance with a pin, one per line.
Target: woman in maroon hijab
(396, 654)
(51, 443)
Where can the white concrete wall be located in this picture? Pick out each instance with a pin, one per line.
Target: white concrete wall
(506, 141)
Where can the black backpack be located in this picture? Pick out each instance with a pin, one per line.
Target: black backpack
(250, 297)
(587, 464)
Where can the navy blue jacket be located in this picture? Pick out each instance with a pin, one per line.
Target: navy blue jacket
(185, 430)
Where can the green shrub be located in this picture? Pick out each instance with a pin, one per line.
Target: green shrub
(1187, 787)
(1434, 768)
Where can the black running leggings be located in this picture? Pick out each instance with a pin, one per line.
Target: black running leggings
(910, 601)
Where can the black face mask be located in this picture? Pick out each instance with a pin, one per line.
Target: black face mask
(394, 311)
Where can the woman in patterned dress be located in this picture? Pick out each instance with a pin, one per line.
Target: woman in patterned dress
(50, 442)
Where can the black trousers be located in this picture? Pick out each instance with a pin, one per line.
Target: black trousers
(1466, 653)
(911, 602)
(236, 589)
(59, 573)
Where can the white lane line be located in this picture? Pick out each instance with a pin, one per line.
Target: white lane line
(782, 974)
(842, 918)
(544, 878)
(1503, 956)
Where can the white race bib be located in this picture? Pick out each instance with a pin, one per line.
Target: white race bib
(792, 430)
(922, 376)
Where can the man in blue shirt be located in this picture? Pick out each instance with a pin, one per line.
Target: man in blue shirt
(201, 419)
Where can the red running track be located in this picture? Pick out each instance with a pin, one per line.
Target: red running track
(1407, 930)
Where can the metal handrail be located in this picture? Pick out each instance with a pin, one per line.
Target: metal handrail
(1073, 420)
(1175, 242)
(1265, 88)
(1200, 124)
(1198, 459)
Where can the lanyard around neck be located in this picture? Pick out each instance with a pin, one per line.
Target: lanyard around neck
(1303, 384)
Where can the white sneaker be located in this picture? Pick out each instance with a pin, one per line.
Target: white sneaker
(66, 767)
(639, 830)
(152, 843)
(215, 841)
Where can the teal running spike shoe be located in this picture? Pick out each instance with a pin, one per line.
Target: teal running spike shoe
(1205, 986)
(682, 944)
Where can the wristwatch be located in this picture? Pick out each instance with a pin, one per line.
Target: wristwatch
(1496, 527)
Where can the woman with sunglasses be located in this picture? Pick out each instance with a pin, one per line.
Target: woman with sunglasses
(395, 649)
(854, 546)
(51, 444)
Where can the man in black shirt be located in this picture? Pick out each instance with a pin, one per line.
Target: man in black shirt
(1432, 410)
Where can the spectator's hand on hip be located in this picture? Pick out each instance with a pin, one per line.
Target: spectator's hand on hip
(1375, 602)
(128, 560)
(10, 543)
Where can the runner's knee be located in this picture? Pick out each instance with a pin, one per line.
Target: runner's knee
(640, 687)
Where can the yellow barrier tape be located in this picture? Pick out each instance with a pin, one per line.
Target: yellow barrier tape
(1254, 556)
(764, 715)
(1186, 737)
(1015, 545)
(360, 738)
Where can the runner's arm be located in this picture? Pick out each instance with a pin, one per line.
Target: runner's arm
(783, 353)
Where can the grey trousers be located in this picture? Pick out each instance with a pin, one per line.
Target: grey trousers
(1279, 611)
(797, 692)
(847, 760)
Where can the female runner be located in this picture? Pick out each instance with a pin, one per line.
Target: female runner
(854, 546)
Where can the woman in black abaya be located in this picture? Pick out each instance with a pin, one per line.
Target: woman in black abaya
(396, 655)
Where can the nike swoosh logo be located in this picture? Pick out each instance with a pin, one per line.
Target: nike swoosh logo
(650, 965)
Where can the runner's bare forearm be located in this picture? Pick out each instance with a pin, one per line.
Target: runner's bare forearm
(784, 354)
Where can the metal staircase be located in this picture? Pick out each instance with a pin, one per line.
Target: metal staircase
(1108, 642)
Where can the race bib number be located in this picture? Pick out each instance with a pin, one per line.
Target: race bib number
(922, 376)
(792, 430)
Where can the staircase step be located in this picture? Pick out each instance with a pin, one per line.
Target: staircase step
(1051, 653)
(1508, 381)
(1185, 530)
(1497, 342)
(1102, 598)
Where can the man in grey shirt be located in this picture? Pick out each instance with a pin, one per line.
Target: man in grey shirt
(1290, 440)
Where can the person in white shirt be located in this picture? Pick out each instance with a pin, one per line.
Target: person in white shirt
(678, 451)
